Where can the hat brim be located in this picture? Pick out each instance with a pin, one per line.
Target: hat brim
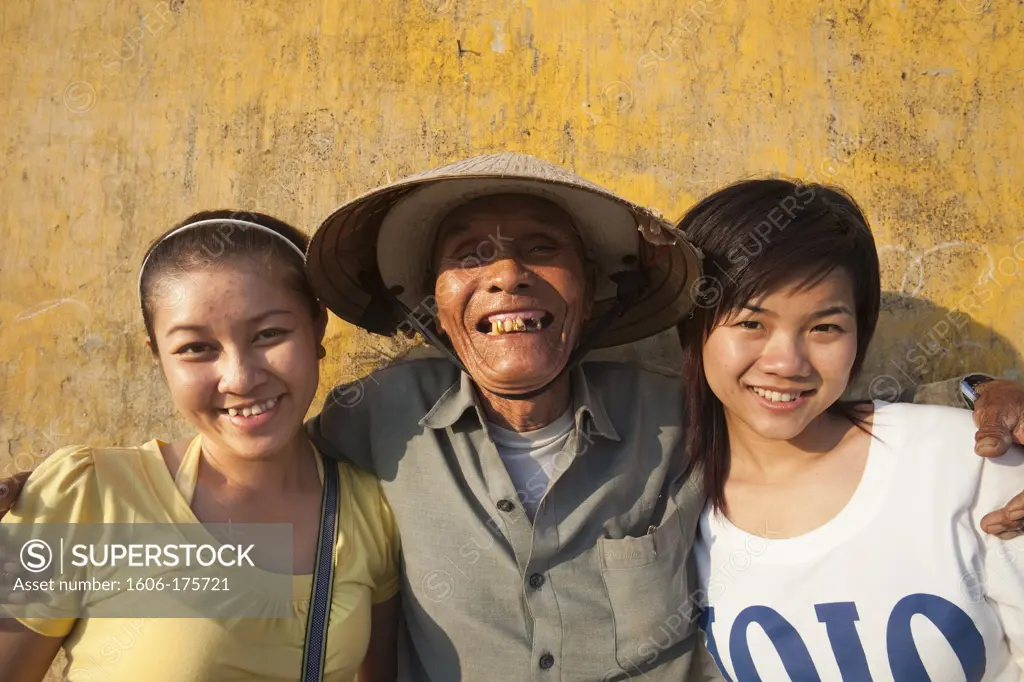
(384, 239)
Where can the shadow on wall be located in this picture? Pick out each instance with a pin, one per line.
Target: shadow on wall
(918, 342)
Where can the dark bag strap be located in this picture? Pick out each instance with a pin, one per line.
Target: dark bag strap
(314, 650)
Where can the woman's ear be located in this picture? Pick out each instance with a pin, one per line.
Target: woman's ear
(155, 353)
(321, 324)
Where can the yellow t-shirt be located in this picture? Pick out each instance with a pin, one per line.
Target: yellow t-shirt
(132, 485)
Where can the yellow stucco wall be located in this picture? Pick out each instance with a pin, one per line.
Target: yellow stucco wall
(121, 117)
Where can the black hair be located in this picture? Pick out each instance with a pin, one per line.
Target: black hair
(758, 236)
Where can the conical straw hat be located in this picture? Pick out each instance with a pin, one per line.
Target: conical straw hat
(385, 238)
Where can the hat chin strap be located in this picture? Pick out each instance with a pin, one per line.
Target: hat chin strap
(629, 285)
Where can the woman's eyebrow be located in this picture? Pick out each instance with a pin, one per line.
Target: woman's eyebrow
(824, 312)
(832, 310)
(270, 313)
(178, 328)
(256, 319)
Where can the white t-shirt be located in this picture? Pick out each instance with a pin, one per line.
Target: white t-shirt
(530, 457)
(901, 585)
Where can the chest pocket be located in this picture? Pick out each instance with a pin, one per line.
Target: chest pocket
(652, 591)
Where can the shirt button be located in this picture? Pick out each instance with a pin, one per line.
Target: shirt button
(536, 580)
(505, 506)
(547, 661)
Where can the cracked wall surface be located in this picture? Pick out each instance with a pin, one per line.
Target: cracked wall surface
(120, 118)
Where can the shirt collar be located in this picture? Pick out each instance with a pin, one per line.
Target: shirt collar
(461, 396)
(450, 407)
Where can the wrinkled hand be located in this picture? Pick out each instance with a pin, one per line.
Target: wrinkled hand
(999, 415)
(1008, 522)
(10, 488)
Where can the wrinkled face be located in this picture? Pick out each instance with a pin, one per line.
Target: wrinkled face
(513, 290)
(780, 361)
(238, 348)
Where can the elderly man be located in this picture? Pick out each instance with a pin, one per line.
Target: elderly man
(545, 505)
(546, 511)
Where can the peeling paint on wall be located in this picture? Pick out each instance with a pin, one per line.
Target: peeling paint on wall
(498, 44)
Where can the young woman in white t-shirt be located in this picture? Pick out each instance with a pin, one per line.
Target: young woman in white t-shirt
(841, 541)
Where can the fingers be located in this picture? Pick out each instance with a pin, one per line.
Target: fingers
(999, 414)
(10, 488)
(1018, 433)
(1008, 521)
(992, 441)
(1010, 535)
(1005, 531)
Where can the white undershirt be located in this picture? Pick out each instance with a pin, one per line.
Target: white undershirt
(531, 456)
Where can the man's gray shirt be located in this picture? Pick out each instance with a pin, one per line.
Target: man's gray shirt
(601, 585)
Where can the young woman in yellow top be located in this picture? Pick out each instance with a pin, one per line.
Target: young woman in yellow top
(237, 331)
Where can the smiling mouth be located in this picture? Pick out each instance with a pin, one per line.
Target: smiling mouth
(519, 322)
(779, 396)
(252, 409)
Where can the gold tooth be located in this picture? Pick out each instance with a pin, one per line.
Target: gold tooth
(496, 327)
(520, 325)
(509, 325)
